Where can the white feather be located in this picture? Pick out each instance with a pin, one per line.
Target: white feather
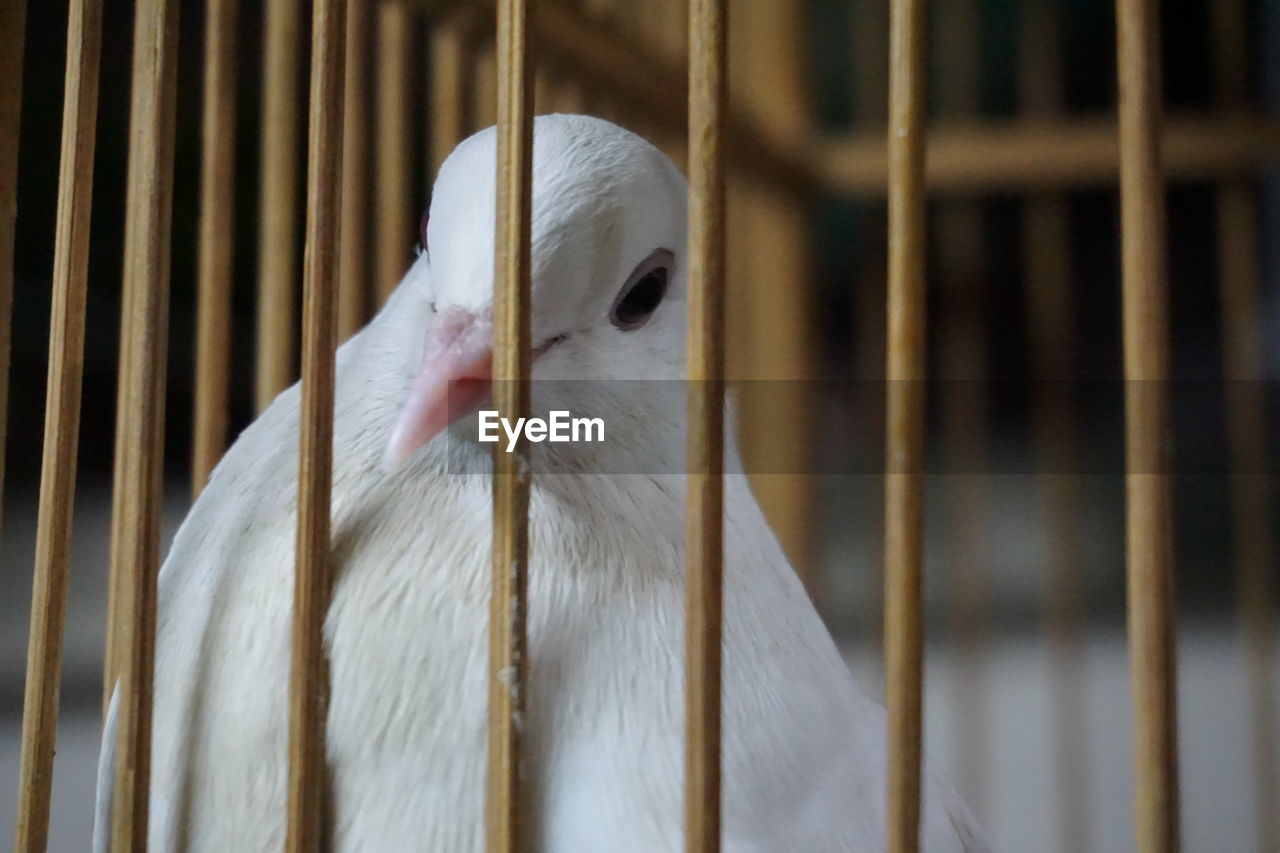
(804, 748)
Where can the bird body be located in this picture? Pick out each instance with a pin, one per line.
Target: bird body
(405, 635)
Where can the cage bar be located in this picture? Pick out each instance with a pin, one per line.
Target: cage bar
(586, 42)
(1040, 154)
(135, 517)
(508, 602)
(217, 209)
(62, 424)
(278, 221)
(1149, 546)
(904, 426)
(394, 170)
(1026, 154)
(587, 47)
(354, 272)
(704, 540)
(309, 677)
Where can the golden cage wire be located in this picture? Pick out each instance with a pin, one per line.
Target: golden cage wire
(678, 92)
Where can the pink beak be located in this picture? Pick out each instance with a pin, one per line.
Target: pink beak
(453, 381)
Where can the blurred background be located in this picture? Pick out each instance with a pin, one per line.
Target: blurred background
(1027, 701)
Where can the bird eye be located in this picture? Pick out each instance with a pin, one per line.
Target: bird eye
(422, 231)
(643, 292)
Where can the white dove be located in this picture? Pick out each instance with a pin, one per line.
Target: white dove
(804, 747)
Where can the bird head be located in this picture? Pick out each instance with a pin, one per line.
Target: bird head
(608, 285)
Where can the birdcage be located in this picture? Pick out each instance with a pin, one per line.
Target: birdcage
(779, 111)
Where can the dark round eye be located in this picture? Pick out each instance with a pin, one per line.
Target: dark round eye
(422, 230)
(643, 292)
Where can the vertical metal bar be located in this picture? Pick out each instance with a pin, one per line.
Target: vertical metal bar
(309, 676)
(354, 275)
(904, 426)
(277, 251)
(395, 221)
(708, 55)
(61, 427)
(135, 541)
(1244, 370)
(1052, 323)
(1149, 544)
(213, 276)
(13, 28)
(508, 658)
